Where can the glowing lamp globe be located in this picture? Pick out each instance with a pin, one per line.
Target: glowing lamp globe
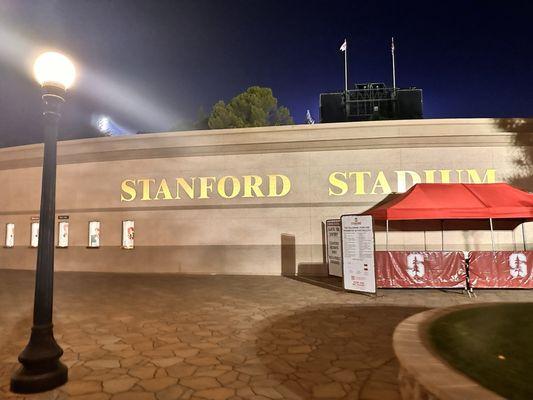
(54, 69)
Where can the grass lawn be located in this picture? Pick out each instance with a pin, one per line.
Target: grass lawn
(491, 344)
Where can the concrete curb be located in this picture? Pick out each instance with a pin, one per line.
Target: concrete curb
(424, 375)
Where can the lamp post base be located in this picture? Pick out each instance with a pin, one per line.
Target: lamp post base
(41, 369)
(26, 381)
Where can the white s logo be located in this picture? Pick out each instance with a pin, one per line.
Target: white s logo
(518, 265)
(415, 265)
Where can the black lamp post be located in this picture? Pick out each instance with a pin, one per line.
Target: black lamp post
(41, 369)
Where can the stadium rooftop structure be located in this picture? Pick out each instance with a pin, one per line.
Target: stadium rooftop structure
(371, 101)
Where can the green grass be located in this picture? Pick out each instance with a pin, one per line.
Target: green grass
(492, 344)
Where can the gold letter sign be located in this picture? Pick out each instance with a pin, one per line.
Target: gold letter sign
(337, 183)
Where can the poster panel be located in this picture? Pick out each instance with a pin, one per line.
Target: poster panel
(358, 253)
(62, 234)
(94, 234)
(421, 269)
(333, 245)
(128, 234)
(501, 269)
(34, 241)
(10, 235)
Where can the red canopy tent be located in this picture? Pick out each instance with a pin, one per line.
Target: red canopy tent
(459, 201)
(445, 201)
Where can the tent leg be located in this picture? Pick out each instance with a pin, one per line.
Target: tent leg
(491, 233)
(514, 240)
(425, 241)
(387, 236)
(524, 236)
(441, 235)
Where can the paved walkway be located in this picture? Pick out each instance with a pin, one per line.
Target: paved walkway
(136, 337)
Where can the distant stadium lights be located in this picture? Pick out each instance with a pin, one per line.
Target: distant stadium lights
(106, 125)
(103, 124)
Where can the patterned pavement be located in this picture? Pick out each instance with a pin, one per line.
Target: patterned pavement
(136, 337)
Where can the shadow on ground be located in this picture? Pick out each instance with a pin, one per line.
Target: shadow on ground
(334, 351)
(168, 337)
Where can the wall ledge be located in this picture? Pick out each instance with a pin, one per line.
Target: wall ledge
(424, 375)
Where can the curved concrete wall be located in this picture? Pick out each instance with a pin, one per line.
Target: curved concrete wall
(222, 201)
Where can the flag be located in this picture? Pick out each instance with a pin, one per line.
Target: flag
(343, 46)
(308, 118)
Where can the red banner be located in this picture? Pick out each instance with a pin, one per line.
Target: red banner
(420, 269)
(501, 269)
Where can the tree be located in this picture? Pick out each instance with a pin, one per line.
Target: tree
(255, 107)
(190, 125)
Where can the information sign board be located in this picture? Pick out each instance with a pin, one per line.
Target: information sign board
(128, 234)
(94, 234)
(333, 245)
(10, 235)
(62, 234)
(34, 241)
(358, 253)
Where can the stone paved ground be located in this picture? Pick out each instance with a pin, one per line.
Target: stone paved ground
(136, 337)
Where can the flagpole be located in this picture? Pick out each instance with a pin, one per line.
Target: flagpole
(346, 67)
(393, 66)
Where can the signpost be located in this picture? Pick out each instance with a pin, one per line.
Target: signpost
(358, 253)
(333, 243)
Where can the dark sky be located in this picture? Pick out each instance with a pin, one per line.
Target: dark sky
(150, 64)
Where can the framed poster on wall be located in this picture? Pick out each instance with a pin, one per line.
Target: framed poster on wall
(128, 234)
(62, 234)
(10, 235)
(333, 245)
(94, 234)
(34, 240)
(358, 253)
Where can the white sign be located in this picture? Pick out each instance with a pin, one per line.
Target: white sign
(94, 234)
(10, 235)
(62, 234)
(128, 234)
(333, 245)
(358, 253)
(34, 234)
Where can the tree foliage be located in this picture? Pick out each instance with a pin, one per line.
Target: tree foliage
(257, 106)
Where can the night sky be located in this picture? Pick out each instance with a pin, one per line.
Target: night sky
(151, 64)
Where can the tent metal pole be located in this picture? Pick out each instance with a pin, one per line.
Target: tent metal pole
(524, 236)
(491, 233)
(387, 235)
(514, 240)
(425, 241)
(441, 235)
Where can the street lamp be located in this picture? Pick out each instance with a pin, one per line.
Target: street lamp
(41, 369)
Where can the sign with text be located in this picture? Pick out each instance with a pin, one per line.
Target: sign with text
(62, 234)
(34, 241)
(276, 186)
(10, 235)
(128, 234)
(94, 234)
(358, 253)
(333, 240)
